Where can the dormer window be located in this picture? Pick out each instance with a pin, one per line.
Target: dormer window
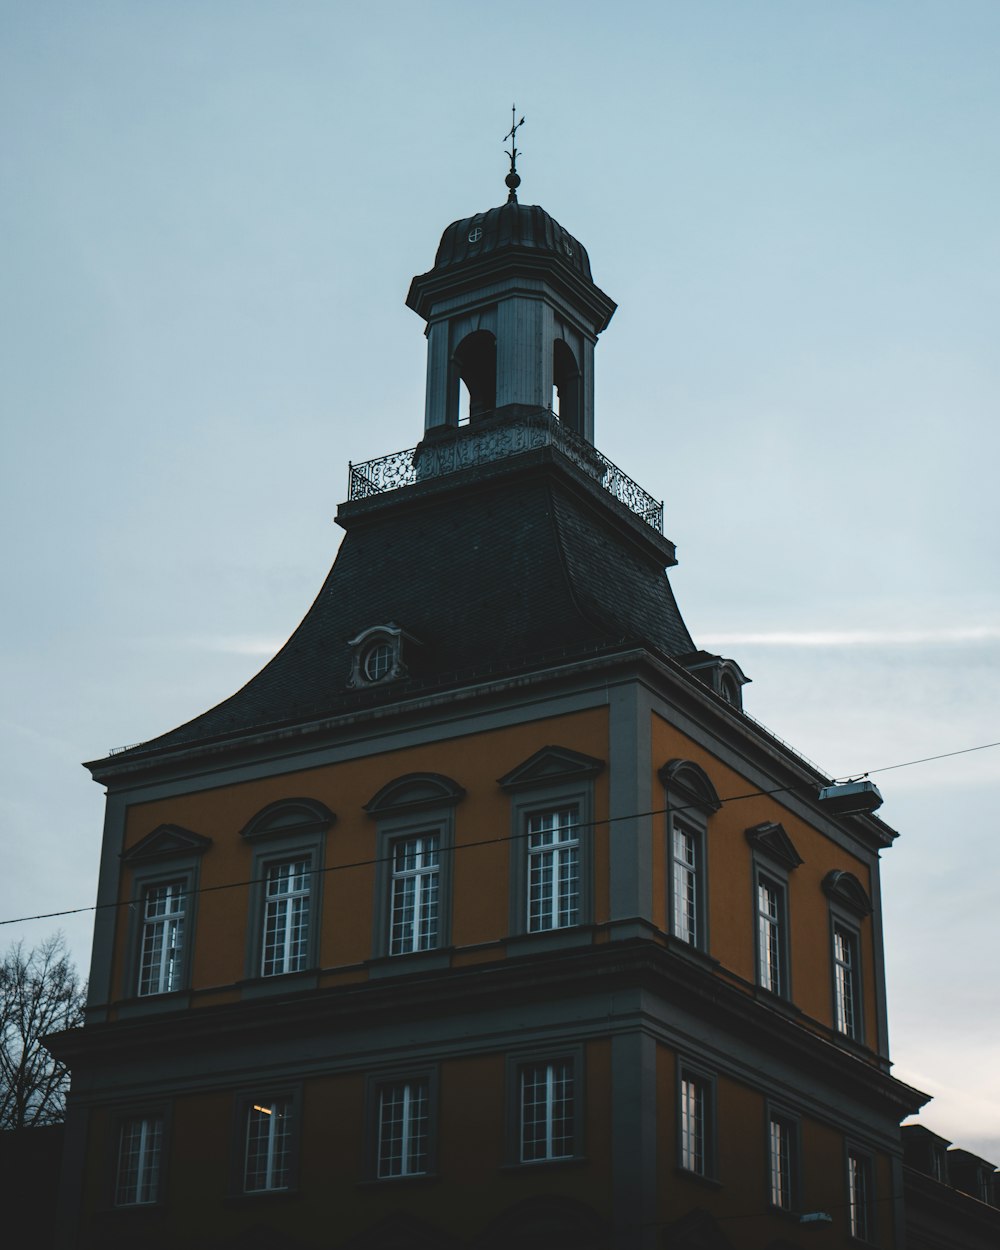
(379, 655)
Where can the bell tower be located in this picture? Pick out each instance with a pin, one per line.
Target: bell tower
(513, 316)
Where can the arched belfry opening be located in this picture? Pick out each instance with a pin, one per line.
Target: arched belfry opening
(475, 361)
(567, 391)
(513, 316)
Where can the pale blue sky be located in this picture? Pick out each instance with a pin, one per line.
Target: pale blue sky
(211, 215)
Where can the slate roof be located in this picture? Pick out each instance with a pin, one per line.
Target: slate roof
(510, 226)
(492, 569)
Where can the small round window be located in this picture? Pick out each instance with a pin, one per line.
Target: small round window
(378, 661)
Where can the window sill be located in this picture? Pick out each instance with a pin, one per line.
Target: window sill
(280, 983)
(419, 1178)
(261, 1195)
(549, 939)
(152, 1005)
(527, 1166)
(696, 955)
(709, 1182)
(409, 965)
(777, 1002)
(139, 1211)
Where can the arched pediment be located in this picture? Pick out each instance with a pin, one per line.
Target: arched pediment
(687, 781)
(413, 791)
(844, 888)
(167, 842)
(770, 839)
(551, 764)
(287, 817)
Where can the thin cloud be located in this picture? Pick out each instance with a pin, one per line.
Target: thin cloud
(954, 635)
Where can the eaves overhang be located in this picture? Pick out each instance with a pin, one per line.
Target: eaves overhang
(608, 968)
(429, 289)
(793, 779)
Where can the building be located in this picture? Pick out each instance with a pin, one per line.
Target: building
(483, 915)
(951, 1196)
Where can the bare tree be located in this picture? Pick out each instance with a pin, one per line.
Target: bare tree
(40, 993)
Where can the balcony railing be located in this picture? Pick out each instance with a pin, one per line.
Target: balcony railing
(472, 446)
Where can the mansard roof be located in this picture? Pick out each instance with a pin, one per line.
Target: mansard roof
(494, 569)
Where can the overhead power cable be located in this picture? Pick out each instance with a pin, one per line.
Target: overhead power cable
(508, 837)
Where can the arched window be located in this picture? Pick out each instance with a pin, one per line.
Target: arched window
(568, 394)
(476, 361)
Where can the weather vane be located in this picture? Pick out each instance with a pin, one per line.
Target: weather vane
(512, 180)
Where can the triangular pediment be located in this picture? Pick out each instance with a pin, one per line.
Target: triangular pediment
(167, 842)
(413, 791)
(770, 839)
(551, 764)
(289, 817)
(844, 888)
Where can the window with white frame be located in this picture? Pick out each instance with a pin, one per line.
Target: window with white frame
(547, 1110)
(846, 982)
(553, 869)
(771, 954)
(268, 1145)
(415, 842)
(691, 801)
(415, 894)
(164, 867)
(403, 1128)
(140, 1145)
(162, 945)
(860, 1196)
(781, 1145)
(694, 1123)
(687, 921)
(285, 946)
(552, 852)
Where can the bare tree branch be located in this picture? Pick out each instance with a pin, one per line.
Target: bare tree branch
(40, 993)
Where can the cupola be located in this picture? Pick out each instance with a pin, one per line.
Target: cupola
(513, 316)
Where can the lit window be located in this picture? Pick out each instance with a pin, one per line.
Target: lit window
(547, 1111)
(685, 875)
(160, 962)
(781, 1153)
(403, 1129)
(415, 892)
(770, 935)
(286, 918)
(139, 1147)
(268, 1145)
(553, 870)
(845, 982)
(694, 1096)
(860, 1196)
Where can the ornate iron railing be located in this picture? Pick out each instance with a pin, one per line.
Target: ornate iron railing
(471, 446)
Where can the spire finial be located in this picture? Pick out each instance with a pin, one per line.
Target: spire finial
(512, 180)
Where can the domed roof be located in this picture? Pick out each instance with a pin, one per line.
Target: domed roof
(512, 225)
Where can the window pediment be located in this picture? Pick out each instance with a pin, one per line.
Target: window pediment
(167, 842)
(288, 817)
(844, 888)
(770, 839)
(551, 764)
(688, 781)
(413, 791)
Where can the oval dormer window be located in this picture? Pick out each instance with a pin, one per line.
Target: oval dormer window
(380, 654)
(378, 660)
